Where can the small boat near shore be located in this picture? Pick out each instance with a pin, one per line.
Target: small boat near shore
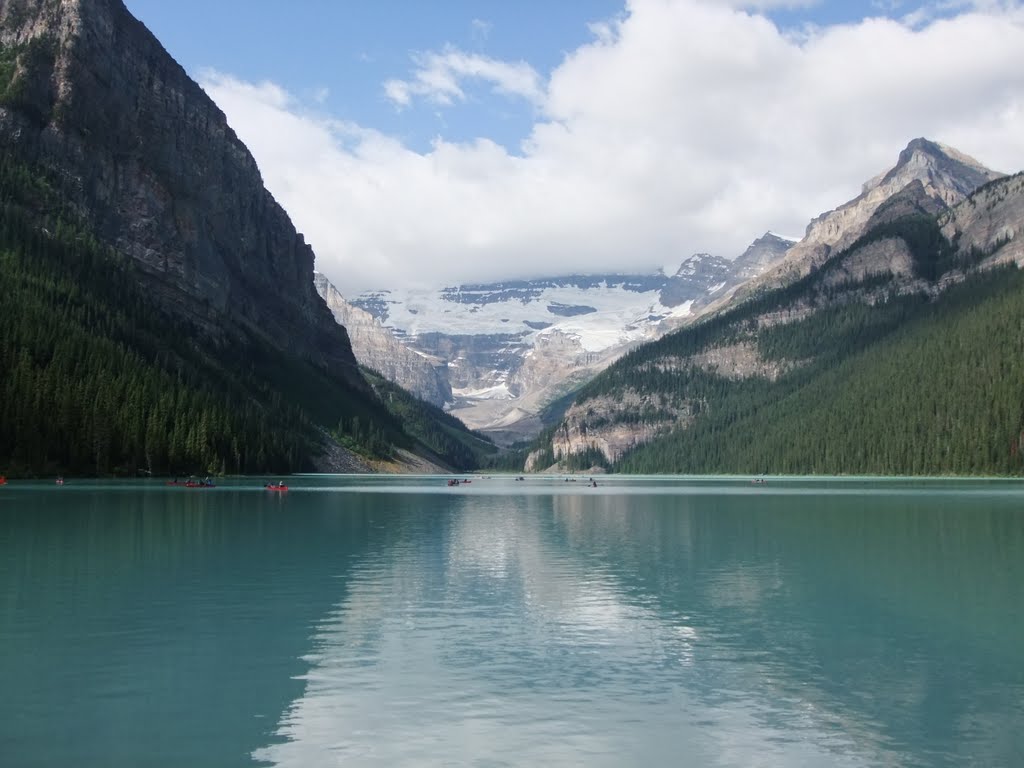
(278, 487)
(192, 483)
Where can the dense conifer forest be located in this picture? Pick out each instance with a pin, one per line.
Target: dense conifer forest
(95, 380)
(913, 385)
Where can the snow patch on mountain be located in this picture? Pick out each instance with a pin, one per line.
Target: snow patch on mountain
(509, 348)
(612, 314)
(499, 392)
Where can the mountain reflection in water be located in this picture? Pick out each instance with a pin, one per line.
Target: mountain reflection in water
(781, 628)
(396, 621)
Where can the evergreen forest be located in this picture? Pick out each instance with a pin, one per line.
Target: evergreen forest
(96, 380)
(912, 385)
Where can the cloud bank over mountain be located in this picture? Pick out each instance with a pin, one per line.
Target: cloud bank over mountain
(683, 126)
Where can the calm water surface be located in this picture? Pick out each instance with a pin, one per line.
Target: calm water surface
(390, 622)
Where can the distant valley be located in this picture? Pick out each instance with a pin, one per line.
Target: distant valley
(496, 354)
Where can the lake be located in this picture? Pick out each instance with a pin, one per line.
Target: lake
(387, 621)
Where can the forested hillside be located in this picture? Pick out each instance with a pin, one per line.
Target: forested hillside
(440, 433)
(158, 313)
(912, 387)
(96, 379)
(901, 354)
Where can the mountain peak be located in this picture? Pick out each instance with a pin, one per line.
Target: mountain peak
(939, 151)
(774, 237)
(927, 177)
(936, 164)
(921, 144)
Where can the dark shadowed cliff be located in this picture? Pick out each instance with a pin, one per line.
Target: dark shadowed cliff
(144, 156)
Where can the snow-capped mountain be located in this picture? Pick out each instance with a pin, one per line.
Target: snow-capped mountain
(508, 348)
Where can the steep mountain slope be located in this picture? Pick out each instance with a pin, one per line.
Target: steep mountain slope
(705, 280)
(938, 392)
(935, 176)
(137, 223)
(989, 223)
(147, 159)
(815, 365)
(443, 438)
(150, 162)
(376, 348)
(507, 349)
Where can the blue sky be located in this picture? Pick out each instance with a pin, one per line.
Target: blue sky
(338, 54)
(487, 139)
(352, 48)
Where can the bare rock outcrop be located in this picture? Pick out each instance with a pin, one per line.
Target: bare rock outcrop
(944, 176)
(989, 224)
(889, 256)
(616, 425)
(741, 360)
(377, 348)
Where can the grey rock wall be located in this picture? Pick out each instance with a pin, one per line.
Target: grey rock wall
(147, 158)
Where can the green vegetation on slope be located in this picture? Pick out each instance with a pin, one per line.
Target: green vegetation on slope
(909, 387)
(441, 433)
(854, 376)
(95, 380)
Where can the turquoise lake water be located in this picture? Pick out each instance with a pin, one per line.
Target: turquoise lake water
(388, 621)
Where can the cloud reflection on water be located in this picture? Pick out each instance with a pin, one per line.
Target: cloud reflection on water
(525, 630)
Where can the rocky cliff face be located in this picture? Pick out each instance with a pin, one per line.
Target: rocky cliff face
(764, 253)
(610, 425)
(990, 224)
(937, 177)
(143, 155)
(695, 278)
(615, 424)
(726, 278)
(377, 348)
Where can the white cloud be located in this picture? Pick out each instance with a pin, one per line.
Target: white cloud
(398, 92)
(439, 76)
(684, 126)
